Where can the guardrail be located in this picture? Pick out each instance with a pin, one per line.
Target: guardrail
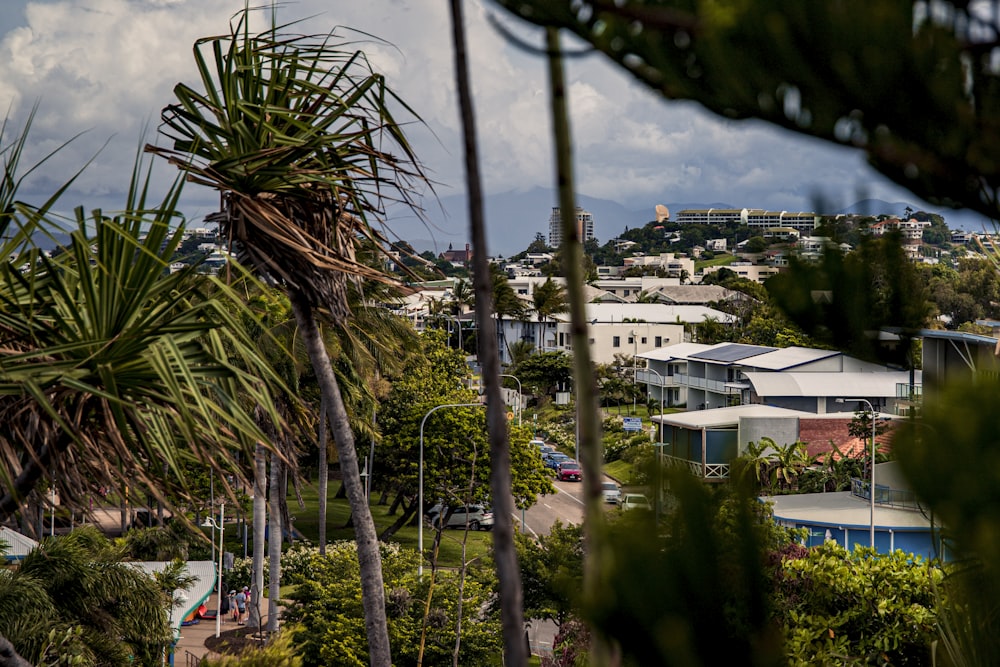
(885, 495)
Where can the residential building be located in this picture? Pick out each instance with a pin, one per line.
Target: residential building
(755, 218)
(755, 272)
(613, 328)
(584, 226)
(805, 379)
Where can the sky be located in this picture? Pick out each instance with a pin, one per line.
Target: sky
(103, 70)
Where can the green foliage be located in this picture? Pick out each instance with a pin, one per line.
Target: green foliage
(544, 373)
(691, 592)
(551, 571)
(854, 608)
(327, 622)
(74, 597)
(843, 299)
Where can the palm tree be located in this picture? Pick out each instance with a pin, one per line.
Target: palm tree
(110, 362)
(75, 595)
(548, 299)
(295, 131)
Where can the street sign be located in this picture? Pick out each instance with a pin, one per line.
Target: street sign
(632, 423)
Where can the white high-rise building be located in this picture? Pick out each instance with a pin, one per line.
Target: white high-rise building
(584, 226)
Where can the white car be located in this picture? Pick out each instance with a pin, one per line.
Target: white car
(634, 501)
(611, 492)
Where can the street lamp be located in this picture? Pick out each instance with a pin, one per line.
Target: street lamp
(659, 444)
(504, 375)
(209, 522)
(420, 483)
(871, 491)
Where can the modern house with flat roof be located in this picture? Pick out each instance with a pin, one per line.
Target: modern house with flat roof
(726, 374)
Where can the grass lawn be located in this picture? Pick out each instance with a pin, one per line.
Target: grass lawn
(724, 260)
(338, 511)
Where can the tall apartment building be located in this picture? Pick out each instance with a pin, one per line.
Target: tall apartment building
(584, 226)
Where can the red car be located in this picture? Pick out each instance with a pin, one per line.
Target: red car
(569, 471)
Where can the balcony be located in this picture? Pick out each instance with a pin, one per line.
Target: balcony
(885, 495)
(708, 471)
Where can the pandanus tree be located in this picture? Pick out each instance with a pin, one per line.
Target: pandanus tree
(296, 131)
(113, 369)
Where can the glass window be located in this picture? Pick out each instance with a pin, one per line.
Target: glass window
(616, 341)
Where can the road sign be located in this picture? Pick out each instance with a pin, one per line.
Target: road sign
(632, 423)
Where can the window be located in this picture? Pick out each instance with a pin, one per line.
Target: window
(616, 341)
(562, 339)
(658, 341)
(643, 340)
(631, 340)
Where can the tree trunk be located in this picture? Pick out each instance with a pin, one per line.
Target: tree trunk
(587, 412)
(274, 544)
(259, 519)
(404, 518)
(324, 476)
(369, 559)
(505, 556)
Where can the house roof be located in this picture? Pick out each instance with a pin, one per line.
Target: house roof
(203, 573)
(840, 508)
(651, 313)
(716, 417)
(679, 351)
(789, 357)
(824, 384)
(693, 294)
(18, 545)
(731, 352)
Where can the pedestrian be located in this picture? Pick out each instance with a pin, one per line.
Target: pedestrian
(241, 604)
(232, 606)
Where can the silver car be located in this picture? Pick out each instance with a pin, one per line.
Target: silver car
(611, 492)
(480, 517)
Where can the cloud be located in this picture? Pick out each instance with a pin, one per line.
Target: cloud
(107, 67)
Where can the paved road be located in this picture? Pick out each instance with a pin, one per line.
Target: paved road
(566, 505)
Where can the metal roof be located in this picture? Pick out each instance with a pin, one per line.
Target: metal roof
(203, 572)
(829, 384)
(678, 351)
(840, 508)
(718, 417)
(789, 357)
(732, 352)
(18, 545)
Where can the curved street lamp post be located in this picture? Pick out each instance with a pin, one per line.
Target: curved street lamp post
(519, 397)
(420, 483)
(209, 522)
(871, 490)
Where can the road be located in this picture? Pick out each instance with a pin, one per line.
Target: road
(566, 505)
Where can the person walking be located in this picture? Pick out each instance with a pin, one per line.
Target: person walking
(234, 610)
(241, 605)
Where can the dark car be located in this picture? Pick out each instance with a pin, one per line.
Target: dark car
(554, 459)
(569, 471)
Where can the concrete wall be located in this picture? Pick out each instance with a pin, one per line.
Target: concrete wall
(783, 430)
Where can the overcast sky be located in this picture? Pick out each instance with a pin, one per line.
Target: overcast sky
(106, 68)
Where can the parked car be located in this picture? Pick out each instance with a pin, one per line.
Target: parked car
(612, 492)
(538, 442)
(634, 501)
(569, 471)
(554, 459)
(480, 517)
(546, 449)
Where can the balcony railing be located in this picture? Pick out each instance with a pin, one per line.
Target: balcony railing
(707, 471)
(885, 495)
